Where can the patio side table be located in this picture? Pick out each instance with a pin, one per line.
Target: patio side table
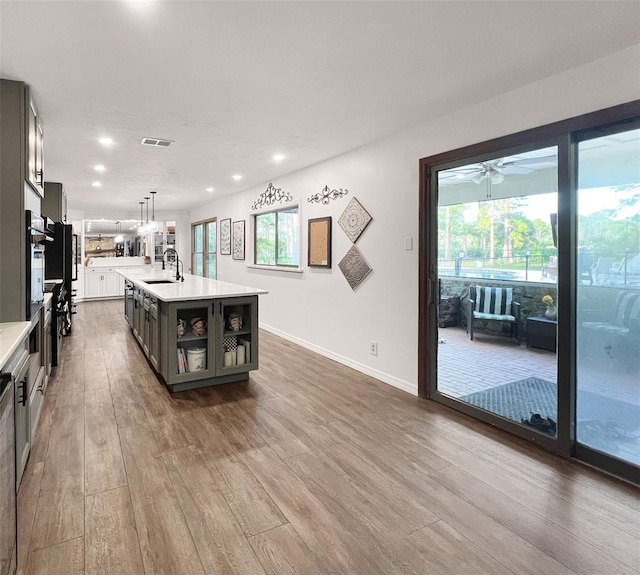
(542, 333)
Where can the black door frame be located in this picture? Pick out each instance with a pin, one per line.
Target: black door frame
(565, 135)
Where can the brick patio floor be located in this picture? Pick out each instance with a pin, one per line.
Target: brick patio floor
(488, 361)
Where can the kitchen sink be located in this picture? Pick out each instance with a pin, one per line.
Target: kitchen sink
(158, 281)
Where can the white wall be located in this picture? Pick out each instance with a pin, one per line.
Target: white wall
(318, 309)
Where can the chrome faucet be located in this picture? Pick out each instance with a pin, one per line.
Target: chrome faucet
(179, 278)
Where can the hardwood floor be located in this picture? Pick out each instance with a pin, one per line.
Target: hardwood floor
(308, 468)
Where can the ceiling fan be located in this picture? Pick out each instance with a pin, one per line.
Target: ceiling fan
(494, 171)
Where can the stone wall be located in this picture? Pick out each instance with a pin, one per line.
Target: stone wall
(529, 295)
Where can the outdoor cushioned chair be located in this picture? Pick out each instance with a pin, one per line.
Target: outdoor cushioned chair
(493, 303)
(624, 319)
(616, 338)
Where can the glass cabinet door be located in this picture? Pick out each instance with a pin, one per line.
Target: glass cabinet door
(190, 357)
(237, 325)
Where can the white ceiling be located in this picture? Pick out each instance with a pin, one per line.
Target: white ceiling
(233, 83)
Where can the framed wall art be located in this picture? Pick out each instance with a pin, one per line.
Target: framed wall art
(225, 237)
(238, 240)
(319, 240)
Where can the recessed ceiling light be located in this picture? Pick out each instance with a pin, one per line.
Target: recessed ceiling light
(236, 177)
(278, 157)
(98, 168)
(209, 189)
(105, 141)
(96, 184)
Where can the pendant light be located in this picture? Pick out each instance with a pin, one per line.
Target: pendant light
(119, 237)
(141, 230)
(153, 225)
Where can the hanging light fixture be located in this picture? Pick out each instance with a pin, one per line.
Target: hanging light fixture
(141, 230)
(152, 226)
(119, 237)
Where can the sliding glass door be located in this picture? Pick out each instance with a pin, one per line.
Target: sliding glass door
(529, 314)
(497, 278)
(608, 295)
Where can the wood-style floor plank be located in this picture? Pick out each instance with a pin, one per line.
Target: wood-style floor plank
(324, 534)
(282, 552)
(577, 554)
(307, 468)
(251, 505)
(27, 505)
(104, 467)
(111, 539)
(165, 541)
(446, 551)
(66, 558)
(220, 542)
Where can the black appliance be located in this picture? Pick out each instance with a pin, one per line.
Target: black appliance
(60, 263)
(37, 235)
(59, 317)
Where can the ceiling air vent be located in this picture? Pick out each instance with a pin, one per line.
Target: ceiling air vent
(155, 142)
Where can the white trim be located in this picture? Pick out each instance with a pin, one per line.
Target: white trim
(292, 269)
(277, 208)
(252, 229)
(379, 375)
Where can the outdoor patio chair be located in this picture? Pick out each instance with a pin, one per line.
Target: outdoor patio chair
(493, 304)
(614, 336)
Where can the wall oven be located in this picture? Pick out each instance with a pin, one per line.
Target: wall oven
(37, 236)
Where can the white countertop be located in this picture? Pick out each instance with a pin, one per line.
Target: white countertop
(11, 336)
(192, 288)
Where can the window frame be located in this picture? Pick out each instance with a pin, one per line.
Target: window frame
(274, 210)
(206, 251)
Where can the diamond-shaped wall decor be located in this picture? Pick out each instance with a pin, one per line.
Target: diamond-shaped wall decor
(354, 267)
(354, 220)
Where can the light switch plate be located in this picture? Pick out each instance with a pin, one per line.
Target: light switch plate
(408, 243)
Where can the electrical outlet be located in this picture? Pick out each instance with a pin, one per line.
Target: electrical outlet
(373, 347)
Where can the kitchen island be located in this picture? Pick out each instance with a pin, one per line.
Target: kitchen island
(195, 333)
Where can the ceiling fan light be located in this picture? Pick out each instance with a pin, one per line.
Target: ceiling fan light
(497, 177)
(478, 177)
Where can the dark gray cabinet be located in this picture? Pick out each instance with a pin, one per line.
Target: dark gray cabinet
(54, 203)
(34, 146)
(197, 343)
(22, 424)
(187, 345)
(20, 191)
(237, 331)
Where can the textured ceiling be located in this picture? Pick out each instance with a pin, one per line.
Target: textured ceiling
(232, 83)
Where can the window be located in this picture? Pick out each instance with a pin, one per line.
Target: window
(277, 238)
(203, 248)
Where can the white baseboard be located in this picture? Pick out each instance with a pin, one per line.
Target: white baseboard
(380, 375)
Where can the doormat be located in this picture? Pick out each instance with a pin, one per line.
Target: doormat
(518, 400)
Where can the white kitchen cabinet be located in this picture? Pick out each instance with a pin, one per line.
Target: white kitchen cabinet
(78, 285)
(102, 282)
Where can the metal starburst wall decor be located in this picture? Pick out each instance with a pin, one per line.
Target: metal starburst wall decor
(271, 196)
